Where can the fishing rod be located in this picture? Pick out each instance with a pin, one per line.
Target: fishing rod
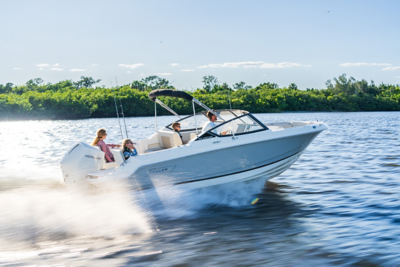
(122, 110)
(229, 98)
(116, 109)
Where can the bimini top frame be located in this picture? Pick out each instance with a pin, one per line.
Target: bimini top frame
(179, 94)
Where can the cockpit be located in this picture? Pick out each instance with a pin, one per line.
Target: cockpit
(239, 125)
(228, 123)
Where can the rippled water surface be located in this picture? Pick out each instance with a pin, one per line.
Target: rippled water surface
(338, 205)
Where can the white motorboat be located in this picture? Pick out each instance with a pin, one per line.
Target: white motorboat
(247, 150)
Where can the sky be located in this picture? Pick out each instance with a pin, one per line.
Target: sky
(257, 41)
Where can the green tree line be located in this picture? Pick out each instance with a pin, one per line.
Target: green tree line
(82, 99)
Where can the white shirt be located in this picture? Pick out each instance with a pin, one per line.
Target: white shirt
(207, 126)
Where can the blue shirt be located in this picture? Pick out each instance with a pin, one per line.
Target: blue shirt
(128, 152)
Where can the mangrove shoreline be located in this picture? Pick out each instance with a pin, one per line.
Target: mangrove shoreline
(78, 100)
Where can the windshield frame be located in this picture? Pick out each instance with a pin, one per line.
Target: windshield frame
(204, 112)
(185, 130)
(209, 132)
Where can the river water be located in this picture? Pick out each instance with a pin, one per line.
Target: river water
(338, 205)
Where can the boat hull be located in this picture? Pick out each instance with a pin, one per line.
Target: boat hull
(217, 166)
(214, 161)
(266, 172)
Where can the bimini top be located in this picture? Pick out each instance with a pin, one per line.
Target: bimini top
(168, 92)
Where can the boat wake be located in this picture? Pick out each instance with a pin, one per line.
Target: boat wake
(171, 203)
(34, 215)
(30, 216)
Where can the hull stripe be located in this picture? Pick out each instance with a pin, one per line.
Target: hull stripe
(239, 171)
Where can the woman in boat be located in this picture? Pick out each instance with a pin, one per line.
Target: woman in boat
(128, 148)
(99, 141)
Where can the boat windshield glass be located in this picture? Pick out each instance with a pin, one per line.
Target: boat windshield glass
(189, 123)
(229, 114)
(240, 125)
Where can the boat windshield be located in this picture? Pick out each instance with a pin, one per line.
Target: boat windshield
(239, 125)
(189, 123)
(229, 114)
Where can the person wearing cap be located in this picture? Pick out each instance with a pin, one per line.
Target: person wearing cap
(128, 148)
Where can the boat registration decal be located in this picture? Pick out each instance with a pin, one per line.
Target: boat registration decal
(161, 169)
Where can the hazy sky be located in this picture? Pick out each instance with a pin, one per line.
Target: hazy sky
(306, 42)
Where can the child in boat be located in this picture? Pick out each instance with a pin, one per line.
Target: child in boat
(128, 148)
(99, 141)
(176, 126)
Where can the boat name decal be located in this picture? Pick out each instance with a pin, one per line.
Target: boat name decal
(161, 169)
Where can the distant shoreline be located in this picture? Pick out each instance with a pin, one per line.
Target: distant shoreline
(69, 100)
(151, 116)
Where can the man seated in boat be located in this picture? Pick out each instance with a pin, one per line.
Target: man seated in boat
(210, 124)
(176, 126)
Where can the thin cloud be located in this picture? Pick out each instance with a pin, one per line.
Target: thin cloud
(40, 68)
(360, 64)
(42, 65)
(57, 69)
(248, 64)
(132, 66)
(94, 64)
(17, 69)
(282, 65)
(392, 68)
(128, 71)
(56, 65)
(187, 70)
(77, 70)
(174, 64)
(255, 64)
(164, 74)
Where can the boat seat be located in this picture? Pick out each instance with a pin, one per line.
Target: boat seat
(193, 136)
(169, 139)
(118, 156)
(108, 165)
(153, 148)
